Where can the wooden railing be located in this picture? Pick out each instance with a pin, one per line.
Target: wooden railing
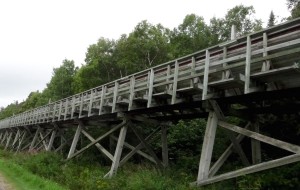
(265, 60)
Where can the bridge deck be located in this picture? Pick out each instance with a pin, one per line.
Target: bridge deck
(264, 61)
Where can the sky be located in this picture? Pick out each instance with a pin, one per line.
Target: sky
(37, 35)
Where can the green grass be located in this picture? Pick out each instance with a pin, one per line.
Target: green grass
(84, 174)
(22, 179)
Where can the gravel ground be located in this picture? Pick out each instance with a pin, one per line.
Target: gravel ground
(4, 185)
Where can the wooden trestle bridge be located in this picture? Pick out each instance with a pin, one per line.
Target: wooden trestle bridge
(245, 77)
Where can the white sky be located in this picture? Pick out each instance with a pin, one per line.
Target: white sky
(36, 35)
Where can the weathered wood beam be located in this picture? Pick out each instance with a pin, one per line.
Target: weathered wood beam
(127, 145)
(36, 135)
(205, 77)
(278, 143)
(98, 145)
(218, 164)
(118, 152)
(75, 141)
(147, 146)
(251, 169)
(71, 155)
(149, 138)
(207, 147)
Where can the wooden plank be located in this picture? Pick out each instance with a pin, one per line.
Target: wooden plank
(278, 143)
(251, 169)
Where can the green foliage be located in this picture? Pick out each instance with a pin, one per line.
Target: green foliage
(185, 143)
(145, 47)
(271, 21)
(22, 179)
(242, 17)
(294, 7)
(190, 36)
(10, 110)
(60, 85)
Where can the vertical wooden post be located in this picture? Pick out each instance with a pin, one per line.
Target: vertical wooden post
(103, 93)
(150, 90)
(131, 94)
(91, 102)
(115, 97)
(118, 152)
(60, 110)
(175, 79)
(248, 66)
(193, 71)
(266, 64)
(233, 32)
(255, 145)
(66, 108)
(164, 140)
(205, 77)
(207, 147)
(73, 107)
(75, 140)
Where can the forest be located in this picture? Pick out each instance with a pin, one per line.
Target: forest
(153, 44)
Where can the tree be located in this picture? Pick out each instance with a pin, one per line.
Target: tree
(100, 66)
(271, 21)
(294, 7)
(61, 83)
(145, 47)
(190, 36)
(242, 17)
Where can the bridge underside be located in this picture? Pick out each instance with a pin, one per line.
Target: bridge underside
(112, 128)
(250, 78)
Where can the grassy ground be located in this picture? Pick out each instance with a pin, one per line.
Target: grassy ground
(22, 179)
(87, 175)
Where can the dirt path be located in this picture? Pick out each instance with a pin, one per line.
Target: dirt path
(4, 185)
